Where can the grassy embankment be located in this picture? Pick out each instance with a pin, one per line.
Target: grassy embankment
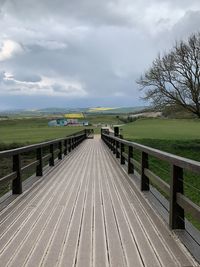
(180, 137)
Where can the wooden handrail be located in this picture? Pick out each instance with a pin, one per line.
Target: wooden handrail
(69, 143)
(24, 149)
(178, 202)
(182, 162)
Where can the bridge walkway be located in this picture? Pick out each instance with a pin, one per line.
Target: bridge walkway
(86, 212)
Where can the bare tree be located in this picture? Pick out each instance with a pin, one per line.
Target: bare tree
(175, 77)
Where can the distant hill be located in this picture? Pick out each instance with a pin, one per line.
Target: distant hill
(119, 110)
(59, 111)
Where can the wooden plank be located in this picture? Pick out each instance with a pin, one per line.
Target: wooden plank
(169, 249)
(87, 213)
(13, 222)
(129, 246)
(68, 254)
(100, 252)
(115, 250)
(32, 223)
(143, 244)
(15, 211)
(51, 257)
(85, 249)
(35, 246)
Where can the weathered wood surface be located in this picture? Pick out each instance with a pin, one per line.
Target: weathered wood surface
(86, 213)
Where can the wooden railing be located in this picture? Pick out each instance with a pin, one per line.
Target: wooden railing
(61, 147)
(179, 203)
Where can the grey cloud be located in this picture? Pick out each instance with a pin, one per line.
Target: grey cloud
(189, 23)
(58, 88)
(27, 77)
(2, 75)
(98, 12)
(103, 45)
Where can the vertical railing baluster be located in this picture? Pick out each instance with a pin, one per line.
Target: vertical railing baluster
(130, 156)
(117, 149)
(176, 215)
(39, 168)
(70, 145)
(122, 149)
(75, 139)
(144, 178)
(74, 142)
(60, 150)
(51, 160)
(114, 146)
(17, 182)
(65, 147)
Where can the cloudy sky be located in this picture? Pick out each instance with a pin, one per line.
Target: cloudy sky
(64, 53)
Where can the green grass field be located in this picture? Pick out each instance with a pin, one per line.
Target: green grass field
(34, 130)
(163, 129)
(25, 131)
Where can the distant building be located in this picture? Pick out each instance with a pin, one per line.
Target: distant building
(58, 122)
(67, 122)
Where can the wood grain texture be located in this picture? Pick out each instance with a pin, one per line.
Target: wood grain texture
(86, 213)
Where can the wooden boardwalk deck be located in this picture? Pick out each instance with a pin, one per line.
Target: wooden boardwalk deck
(86, 213)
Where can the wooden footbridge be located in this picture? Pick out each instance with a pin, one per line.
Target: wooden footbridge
(88, 211)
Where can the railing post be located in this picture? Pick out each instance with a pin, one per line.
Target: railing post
(130, 156)
(65, 147)
(117, 150)
(60, 150)
(75, 142)
(176, 214)
(116, 131)
(39, 168)
(109, 143)
(51, 160)
(70, 144)
(75, 139)
(114, 146)
(122, 158)
(17, 182)
(144, 178)
(110, 140)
